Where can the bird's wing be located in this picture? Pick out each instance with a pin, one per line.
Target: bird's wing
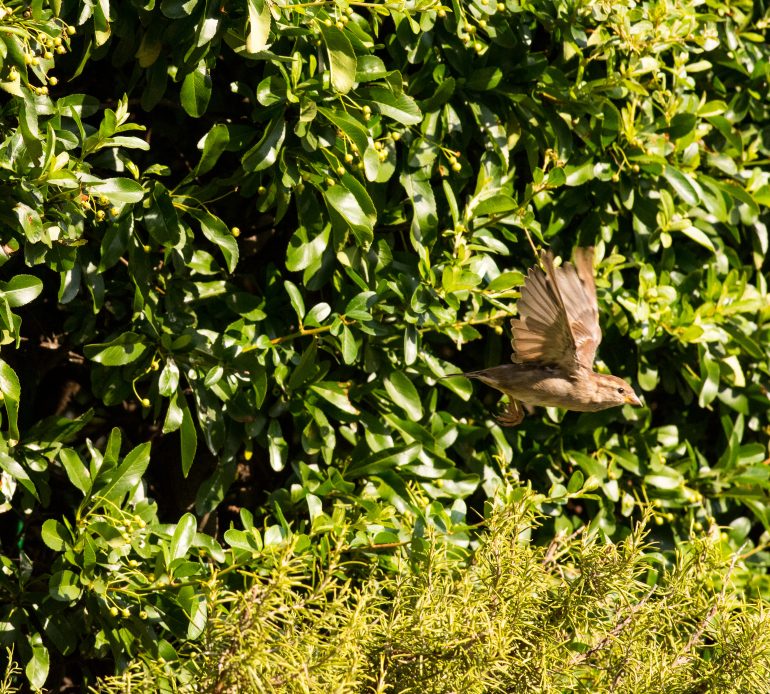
(583, 311)
(558, 318)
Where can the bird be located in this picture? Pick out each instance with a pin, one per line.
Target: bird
(554, 340)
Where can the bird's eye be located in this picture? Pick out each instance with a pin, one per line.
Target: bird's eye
(621, 391)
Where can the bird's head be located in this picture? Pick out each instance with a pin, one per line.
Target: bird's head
(612, 391)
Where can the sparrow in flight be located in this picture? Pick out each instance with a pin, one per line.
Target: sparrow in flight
(554, 343)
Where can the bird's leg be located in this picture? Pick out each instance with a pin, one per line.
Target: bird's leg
(512, 415)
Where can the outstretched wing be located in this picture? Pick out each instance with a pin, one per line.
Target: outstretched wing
(583, 311)
(558, 317)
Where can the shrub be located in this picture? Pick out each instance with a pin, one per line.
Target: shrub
(263, 241)
(577, 614)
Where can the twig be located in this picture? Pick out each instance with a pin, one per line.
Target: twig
(695, 637)
(616, 630)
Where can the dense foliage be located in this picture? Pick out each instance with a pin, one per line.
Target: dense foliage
(244, 242)
(575, 615)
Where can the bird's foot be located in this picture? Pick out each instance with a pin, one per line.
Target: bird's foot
(512, 415)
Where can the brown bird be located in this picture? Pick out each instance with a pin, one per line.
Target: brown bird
(554, 344)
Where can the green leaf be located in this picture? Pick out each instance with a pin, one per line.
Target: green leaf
(710, 386)
(196, 91)
(174, 415)
(30, 222)
(610, 123)
(370, 67)
(259, 25)
(352, 127)
(276, 446)
(382, 461)
(425, 219)
(37, 666)
(118, 190)
(685, 187)
(399, 107)
(178, 9)
(664, 478)
(304, 252)
(188, 439)
(17, 472)
(698, 236)
(77, 472)
(11, 392)
(161, 218)
(351, 201)
(195, 606)
(55, 535)
(295, 297)
(64, 586)
(123, 350)
(183, 537)
(216, 231)
(21, 290)
(403, 393)
(114, 484)
(336, 395)
(499, 203)
(342, 58)
(265, 152)
(349, 345)
(214, 144)
(168, 380)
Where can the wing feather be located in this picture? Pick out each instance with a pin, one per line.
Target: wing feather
(558, 320)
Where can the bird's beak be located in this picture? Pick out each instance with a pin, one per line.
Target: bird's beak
(631, 399)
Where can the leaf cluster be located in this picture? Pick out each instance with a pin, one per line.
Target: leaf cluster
(578, 614)
(265, 242)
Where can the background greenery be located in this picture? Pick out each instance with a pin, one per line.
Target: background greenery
(243, 242)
